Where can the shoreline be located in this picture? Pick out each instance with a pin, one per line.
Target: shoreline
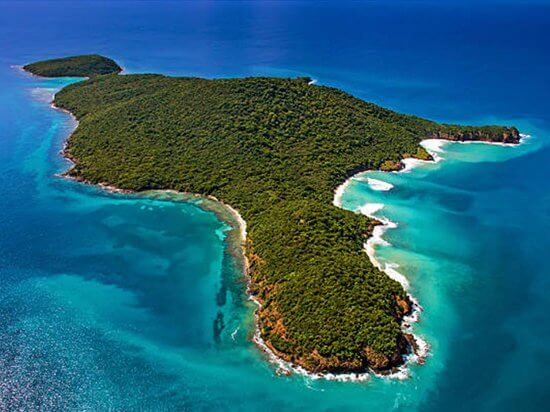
(434, 147)
(420, 348)
(238, 226)
(212, 204)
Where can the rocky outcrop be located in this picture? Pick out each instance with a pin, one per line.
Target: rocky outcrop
(510, 135)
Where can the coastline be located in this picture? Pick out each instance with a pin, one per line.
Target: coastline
(236, 242)
(236, 245)
(434, 147)
(225, 212)
(239, 226)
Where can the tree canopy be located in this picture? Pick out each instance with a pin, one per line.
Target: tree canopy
(275, 149)
(75, 66)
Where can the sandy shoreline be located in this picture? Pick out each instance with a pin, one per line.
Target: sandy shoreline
(435, 148)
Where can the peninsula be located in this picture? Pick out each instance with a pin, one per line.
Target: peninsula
(274, 149)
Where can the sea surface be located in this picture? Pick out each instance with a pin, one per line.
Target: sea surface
(112, 302)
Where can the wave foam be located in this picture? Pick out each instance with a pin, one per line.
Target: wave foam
(286, 368)
(434, 147)
(391, 271)
(339, 192)
(379, 185)
(410, 163)
(421, 346)
(43, 94)
(369, 209)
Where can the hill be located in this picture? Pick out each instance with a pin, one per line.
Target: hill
(75, 66)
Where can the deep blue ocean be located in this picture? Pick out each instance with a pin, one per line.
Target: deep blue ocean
(108, 302)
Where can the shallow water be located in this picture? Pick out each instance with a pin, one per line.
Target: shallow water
(109, 301)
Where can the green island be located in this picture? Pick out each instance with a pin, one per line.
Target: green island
(74, 66)
(274, 149)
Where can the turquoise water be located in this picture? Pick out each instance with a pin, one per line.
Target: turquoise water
(110, 302)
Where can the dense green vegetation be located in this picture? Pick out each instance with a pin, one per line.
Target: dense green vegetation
(75, 66)
(275, 149)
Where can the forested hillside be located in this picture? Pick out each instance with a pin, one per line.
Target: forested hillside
(75, 66)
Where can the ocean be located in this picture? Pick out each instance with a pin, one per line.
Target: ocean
(113, 302)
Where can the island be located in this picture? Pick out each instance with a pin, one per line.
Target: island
(74, 66)
(275, 149)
